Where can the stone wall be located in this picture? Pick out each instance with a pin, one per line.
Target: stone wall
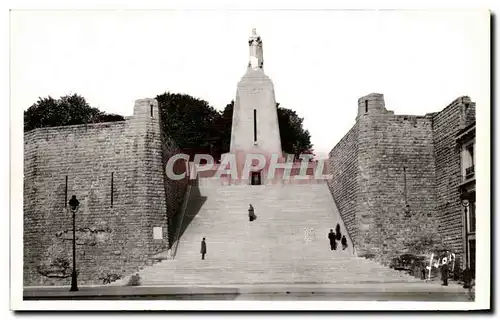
(447, 124)
(344, 185)
(395, 178)
(400, 192)
(116, 171)
(174, 189)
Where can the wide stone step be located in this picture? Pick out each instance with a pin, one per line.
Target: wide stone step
(334, 270)
(230, 275)
(317, 272)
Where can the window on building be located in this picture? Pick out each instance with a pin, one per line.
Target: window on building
(470, 151)
(471, 223)
(468, 161)
(366, 106)
(151, 111)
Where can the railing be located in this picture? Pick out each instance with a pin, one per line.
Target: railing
(182, 213)
(469, 172)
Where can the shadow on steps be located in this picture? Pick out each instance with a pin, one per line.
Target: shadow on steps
(196, 201)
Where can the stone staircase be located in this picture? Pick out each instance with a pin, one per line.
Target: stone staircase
(288, 243)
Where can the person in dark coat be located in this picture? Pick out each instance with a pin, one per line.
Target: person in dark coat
(203, 250)
(333, 242)
(467, 278)
(444, 272)
(343, 242)
(337, 232)
(251, 213)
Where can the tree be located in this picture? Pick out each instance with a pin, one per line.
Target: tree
(294, 138)
(223, 125)
(67, 110)
(189, 122)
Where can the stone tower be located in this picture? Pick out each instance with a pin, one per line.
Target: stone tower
(255, 127)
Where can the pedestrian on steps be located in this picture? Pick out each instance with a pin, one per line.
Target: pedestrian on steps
(337, 232)
(343, 242)
(203, 250)
(251, 213)
(333, 242)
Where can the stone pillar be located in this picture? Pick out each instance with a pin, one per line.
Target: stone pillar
(371, 114)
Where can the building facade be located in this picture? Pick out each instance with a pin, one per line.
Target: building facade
(466, 140)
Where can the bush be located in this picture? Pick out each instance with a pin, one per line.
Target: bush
(55, 262)
(368, 255)
(135, 280)
(110, 277)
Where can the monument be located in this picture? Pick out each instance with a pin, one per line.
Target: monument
(255, 128)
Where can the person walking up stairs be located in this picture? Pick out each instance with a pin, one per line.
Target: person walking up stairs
(343, 242)
(203, 250)
(338, 234)
(333, 242)
(251, 213)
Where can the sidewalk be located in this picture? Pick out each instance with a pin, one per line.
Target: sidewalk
(370, 289)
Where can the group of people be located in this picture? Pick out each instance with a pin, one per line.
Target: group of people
(336, 236)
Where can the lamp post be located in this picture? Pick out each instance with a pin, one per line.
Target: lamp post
(464, 197)
(74, 205)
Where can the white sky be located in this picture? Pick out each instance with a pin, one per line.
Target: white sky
(321, 62)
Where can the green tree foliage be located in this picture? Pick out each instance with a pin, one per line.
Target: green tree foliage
(65, 111)
(189, 122)
(223, 124)
(294, 138)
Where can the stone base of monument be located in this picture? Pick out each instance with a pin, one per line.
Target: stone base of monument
(242, 172)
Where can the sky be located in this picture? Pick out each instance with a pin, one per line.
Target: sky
(320, 62)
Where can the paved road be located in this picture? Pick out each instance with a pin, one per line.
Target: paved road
(374, 296)
(347, 292)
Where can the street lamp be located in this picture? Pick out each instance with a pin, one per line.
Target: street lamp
(73, 206)
(465, 199)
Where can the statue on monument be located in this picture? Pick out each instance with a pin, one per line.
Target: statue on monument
(256, 54)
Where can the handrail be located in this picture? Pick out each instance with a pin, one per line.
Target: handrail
(184, 206)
